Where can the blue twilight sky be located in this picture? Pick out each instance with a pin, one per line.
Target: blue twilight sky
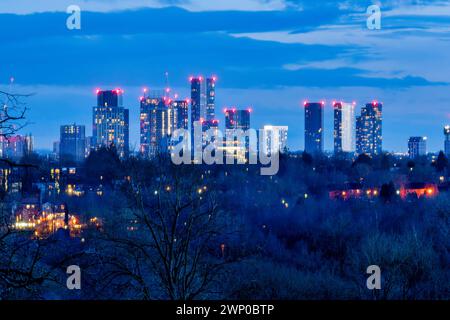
(268, 54)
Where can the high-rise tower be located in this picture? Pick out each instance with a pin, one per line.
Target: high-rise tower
(314, 127)
(110, 123)
(369, 137)
(344, 127)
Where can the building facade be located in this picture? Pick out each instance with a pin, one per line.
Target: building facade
(72, 143)
(314, 115)
(211, 98)
(237, 121)
(158, 120)
(417, 147)
(181, 108)
(196, 104)
(447, 140)
(110, 123)
(344, 127)
(274, 139)
(16, 147)
(369, 135)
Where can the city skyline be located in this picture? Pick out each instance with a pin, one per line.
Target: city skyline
(207, 109)
(235, 153)
(316, 52)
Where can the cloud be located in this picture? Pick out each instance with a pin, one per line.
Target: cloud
(139, 46)
(33, 6)
(268, 54)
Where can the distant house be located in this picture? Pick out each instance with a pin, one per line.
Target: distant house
(419, 190)
(353, 191)
(27, 212)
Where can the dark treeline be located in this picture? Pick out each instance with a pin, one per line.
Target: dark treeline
(226, 232)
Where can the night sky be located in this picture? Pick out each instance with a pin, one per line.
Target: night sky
(268, 54)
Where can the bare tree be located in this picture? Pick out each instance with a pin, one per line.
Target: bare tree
(173, 246)
(21, 271)
(12, 119)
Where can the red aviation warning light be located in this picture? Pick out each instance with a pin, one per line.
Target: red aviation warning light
(250, 110)
(97, 91)
(191, 78)
(305, 103)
